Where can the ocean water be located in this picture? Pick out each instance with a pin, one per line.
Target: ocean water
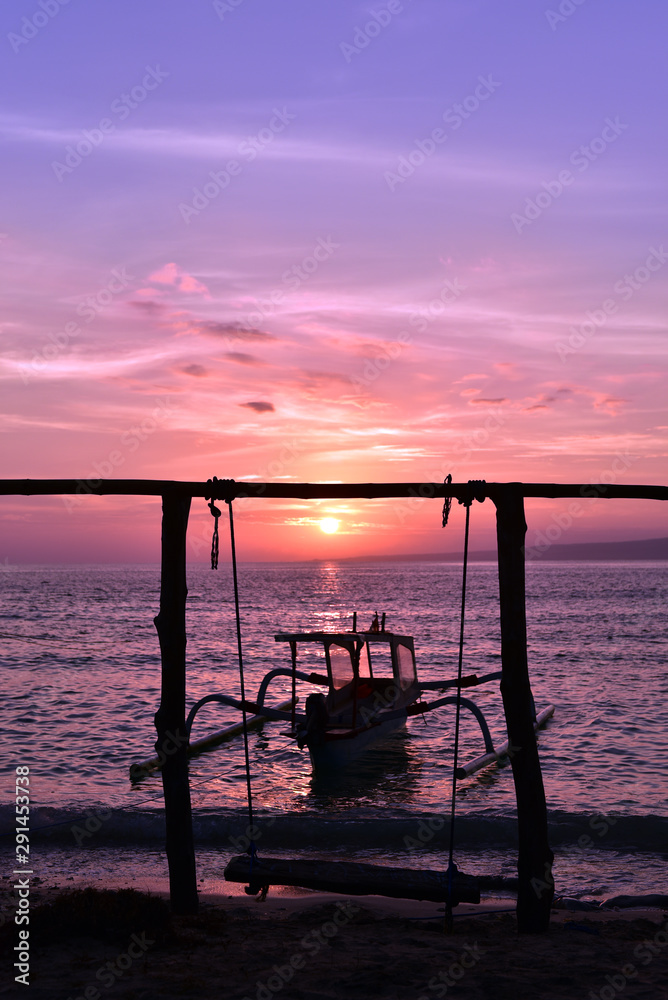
(81, 683)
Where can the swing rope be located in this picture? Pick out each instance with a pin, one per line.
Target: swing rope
(251, 850)
(477, 492)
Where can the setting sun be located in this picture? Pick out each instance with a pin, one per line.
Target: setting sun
(329, 525)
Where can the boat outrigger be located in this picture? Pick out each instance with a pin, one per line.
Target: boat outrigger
(372, 689)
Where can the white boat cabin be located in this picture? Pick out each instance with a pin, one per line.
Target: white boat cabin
(370, 667)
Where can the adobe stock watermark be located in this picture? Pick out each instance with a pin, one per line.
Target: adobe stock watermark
(169, 746)
(364, 34)
(381, 700)
(645, 953)
(291, 279)
(624, 289)
(565, 10)
(464, 449)
(312, 943)
(286, 453)
(563, 522)
(89, 308)
(219, 180)
(425, 832)
(95, 820)
(454, 117)
(296, 275)
(111, 971)
(598, 824)
(121, 107)
(420, 319)
(130, 441)
(429, 826)
(494, 420)
(223, 7)
(250, 835)
(582, 158)
(453, 975)
(35, 22)
(545, 884)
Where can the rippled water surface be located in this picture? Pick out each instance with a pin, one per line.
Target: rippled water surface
(81, 683)
(82, 678)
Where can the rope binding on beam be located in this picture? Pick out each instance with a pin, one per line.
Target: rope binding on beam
(217, 489)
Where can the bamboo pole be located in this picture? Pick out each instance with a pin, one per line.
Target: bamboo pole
(499, 753)
(145, 767)
(170, 719)
(534, 863)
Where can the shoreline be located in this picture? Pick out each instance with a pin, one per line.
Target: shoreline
(294, 899)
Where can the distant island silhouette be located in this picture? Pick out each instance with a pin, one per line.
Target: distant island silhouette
(646, 548)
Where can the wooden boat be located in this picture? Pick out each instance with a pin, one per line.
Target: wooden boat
(372, 688)
(371, 683)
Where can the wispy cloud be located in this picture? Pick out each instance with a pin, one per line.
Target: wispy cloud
(243, 359)
(259, 406)
(226, 331)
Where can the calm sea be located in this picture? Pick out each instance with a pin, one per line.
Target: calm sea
(81, 683)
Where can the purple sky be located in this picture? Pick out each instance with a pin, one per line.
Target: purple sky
(304, 241)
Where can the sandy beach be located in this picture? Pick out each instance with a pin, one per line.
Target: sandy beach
(95, 943)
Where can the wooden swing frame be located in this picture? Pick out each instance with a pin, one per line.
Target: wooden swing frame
(534, 854)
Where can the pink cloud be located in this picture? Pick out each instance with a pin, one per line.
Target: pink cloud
(612, 404)
(173, 275)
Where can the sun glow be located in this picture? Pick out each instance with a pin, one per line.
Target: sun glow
(329, 525)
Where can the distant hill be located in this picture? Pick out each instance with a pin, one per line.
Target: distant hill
(646, 548)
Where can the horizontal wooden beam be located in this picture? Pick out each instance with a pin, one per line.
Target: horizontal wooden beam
(230, 489)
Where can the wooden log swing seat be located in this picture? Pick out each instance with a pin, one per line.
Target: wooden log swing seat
(353, 879)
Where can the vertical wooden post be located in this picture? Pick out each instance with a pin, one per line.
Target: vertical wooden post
(534, 866)
(172, 743)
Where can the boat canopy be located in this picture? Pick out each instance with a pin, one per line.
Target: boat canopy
(351, 655)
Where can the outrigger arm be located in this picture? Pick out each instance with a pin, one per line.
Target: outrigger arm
(420, 709)
(249, 706)
(471, 680)
(287, 672)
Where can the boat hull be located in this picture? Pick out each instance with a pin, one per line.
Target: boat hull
(333, 753)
